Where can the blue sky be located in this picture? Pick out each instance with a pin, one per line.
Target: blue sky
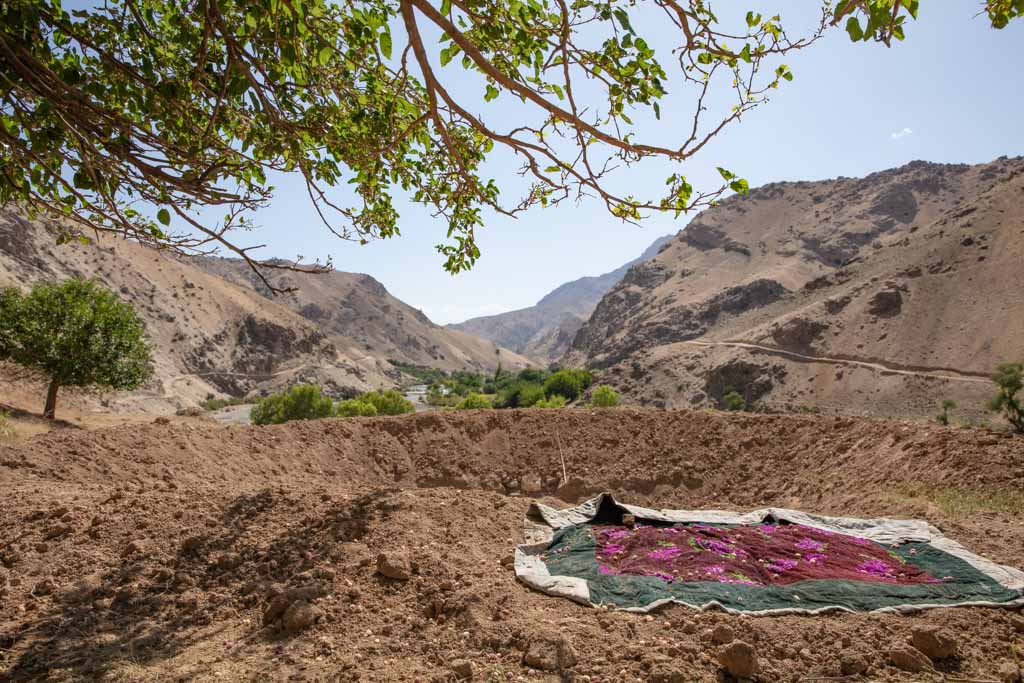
(952, 92)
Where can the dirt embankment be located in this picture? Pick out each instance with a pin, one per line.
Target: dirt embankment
(155, 552)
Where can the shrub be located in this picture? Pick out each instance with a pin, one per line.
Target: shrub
(943, 417)
(733, 400)
(388, 402)
(604, 397)
(76, 334)
(1009, 379)
(533, 376)
(356, 407)
(212, 404)
(473, 402)
(567, 383)
(300, 402)
(556, 401)
(519, 395)
(6, 428)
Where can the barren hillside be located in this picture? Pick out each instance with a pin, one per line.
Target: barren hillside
(360, 317)
(208, 335)
(545, 330)
(880, 295)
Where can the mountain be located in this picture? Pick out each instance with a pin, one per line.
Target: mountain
(882, 295)
(361, 318)
(545, 330)
(214, 333)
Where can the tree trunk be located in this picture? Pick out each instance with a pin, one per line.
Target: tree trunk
(51, 400)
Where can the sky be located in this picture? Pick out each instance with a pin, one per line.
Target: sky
(952, 92)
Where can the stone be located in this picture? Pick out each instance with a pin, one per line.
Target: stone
(722, 635)
(739, 659)
(852, 663)
(394, 566)
(463, 669)
(549, 651)
(935, 642)
(136, 547)
(909, 659)
(299, 616)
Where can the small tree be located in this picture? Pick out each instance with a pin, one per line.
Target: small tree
(1009, 379)
(943, 417)
(566, 383)
(388, 402)
(300, 402)
(356, 407)
(76, 334)
(733, 400)
(604, 396)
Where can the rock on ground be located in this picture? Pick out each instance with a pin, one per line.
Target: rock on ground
(739, 659)
(909, 659)
(935, 642)
(549, 651)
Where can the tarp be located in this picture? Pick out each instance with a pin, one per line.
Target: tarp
(767, 561)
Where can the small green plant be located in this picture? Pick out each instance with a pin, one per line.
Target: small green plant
(474, 402)
(604, 396)
(7, 430)
(212, 404)
(1009, 379)
(733, 400)
(300, 402)
(555, 401)
(943, 417)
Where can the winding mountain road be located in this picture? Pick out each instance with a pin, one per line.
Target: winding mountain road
(883, 367)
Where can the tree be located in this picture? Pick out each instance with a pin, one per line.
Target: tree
(566, 383)
(76, 334)
(943, 417)
(1009, 379)
(555, 401)
(299, 402)
(604, 396)
(733, 400)
(388, 402)
(181, 105)
(356, 407)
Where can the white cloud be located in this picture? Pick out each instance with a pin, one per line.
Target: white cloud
(900, 134)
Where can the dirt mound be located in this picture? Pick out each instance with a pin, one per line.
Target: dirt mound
(194, 552)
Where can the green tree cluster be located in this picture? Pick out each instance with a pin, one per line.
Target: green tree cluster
(604, 396)
(306, 402)
(76, 334)
(1009, 380)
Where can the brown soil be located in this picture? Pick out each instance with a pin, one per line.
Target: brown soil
(152, 552)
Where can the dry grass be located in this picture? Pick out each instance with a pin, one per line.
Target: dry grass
(7, 430)
(968, 502)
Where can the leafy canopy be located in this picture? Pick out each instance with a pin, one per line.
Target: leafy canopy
(182, 105)
(75, 333)
(604, 396)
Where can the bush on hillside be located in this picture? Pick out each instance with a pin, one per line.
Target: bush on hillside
(519, 395)
(300, 402)
(733, 400)
(555, 401)
(1009, 379)
(474, 402)
(356, 407)
(565, 383)
(943, 417)
(388, 402)
(604, 396)
(6, 428)
(533, 375)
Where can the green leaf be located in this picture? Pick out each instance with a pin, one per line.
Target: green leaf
(753, 19)
(745, 53)
(726, 175)
(854, 29)
(385, 43)
(164, 216)
(740, 186)
(491, 93)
